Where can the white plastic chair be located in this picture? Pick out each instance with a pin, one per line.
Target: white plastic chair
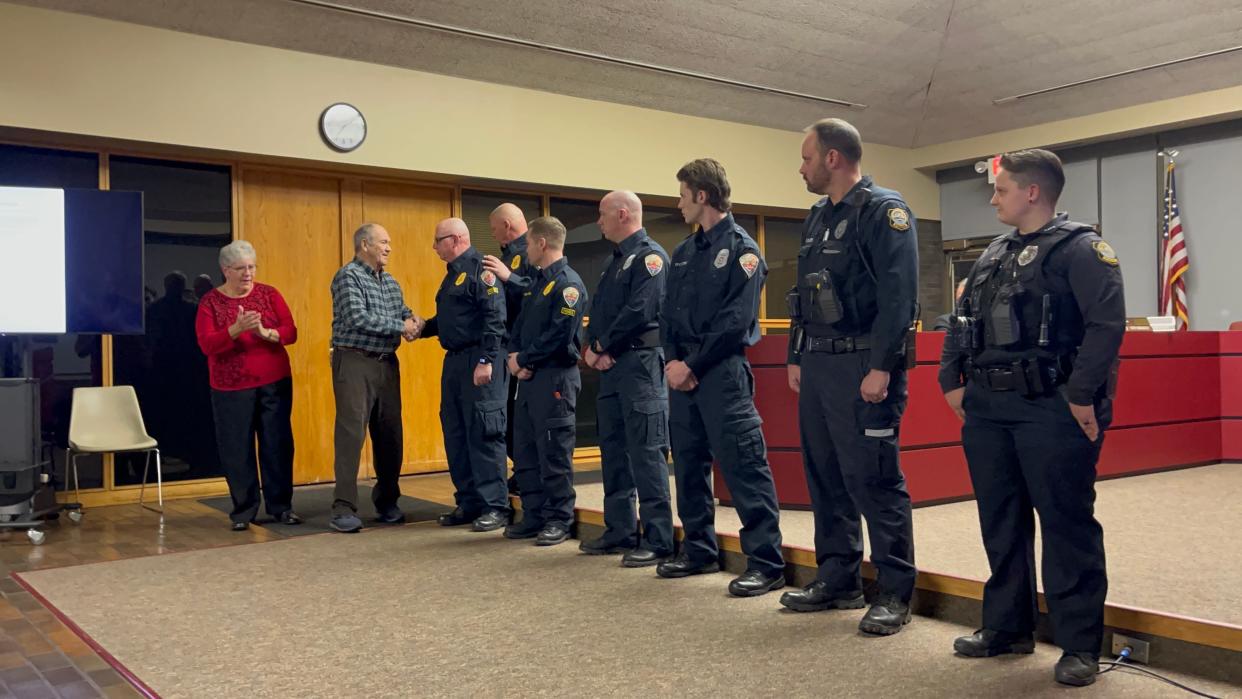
(107, 419)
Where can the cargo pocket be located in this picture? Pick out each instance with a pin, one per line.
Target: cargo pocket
(652, 419)
(877, 427)
(491, 417)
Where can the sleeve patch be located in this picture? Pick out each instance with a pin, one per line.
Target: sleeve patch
(488, 278)
(568, 312)
(898, 219)
(571, 296)
(749, 263)
(654, 264)
(1105, 252)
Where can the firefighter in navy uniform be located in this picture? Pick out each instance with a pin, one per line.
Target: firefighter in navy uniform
(516, 273)
(710, 317)
(851, 311)
(469, 320)
(1037, 336)
(543, 356)
(623, 343)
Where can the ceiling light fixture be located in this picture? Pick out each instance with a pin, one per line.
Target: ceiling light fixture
(1132, 71)
(565, 51)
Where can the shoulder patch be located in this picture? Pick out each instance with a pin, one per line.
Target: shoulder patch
(629, 261)
(722, 258)
(548, 289)
(749, 263)
(1104, 251)
(515, 262)
(571, 296)
(488, 278)
(898, 219)
(461, 278)
(654, 264)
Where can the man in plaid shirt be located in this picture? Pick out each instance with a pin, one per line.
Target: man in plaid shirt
(369, 319)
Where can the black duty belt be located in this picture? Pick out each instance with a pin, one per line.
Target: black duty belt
(647, 340)
(379, 356)
(459, 350)
(1026, 378)
(835, 345)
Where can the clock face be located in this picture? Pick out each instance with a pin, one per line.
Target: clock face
(342, 127)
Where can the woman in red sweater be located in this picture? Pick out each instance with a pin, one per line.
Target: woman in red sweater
(243, 327)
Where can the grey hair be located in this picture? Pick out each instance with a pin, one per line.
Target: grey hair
(233, 252)
(364, 233)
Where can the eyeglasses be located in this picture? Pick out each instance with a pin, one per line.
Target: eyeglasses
(443, 238)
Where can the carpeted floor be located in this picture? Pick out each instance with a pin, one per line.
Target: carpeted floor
(424, 611)
(1169, 539)
(314, 504)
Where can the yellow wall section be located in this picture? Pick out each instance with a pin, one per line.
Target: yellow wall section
(83, 75)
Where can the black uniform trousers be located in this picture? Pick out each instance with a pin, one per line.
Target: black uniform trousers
(543, 450)
(473, 421)
(240, 416)
(850, 455)
(632, 410)
(719, 417)
(368, 399)
(1029, 453)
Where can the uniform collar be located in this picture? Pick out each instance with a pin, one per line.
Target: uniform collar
(706, 239)
(865, 182)
(465, 261)
(631, 243)
(553, 269)
(518, 244)
(1049, 227)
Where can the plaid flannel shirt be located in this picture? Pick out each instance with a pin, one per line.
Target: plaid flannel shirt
(368, 310)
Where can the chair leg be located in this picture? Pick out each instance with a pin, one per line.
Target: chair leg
(143, 488)
(159, 480)
(77, 489)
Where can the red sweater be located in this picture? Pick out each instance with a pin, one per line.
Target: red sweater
(247, 361)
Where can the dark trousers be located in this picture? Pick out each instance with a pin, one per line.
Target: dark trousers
(850, 455)
(543, 450)
(368, 397)
(240, 417)
(473, 421)
(1030, 454)
(719, 417)
(632, 410)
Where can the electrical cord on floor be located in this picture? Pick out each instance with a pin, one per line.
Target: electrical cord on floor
(1127, 667)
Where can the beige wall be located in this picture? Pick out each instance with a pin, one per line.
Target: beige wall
(82, 75)
(1203, 107)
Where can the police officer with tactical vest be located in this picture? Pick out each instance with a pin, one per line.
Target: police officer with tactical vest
(710, 317)
(470, 322)
(1032, 371)
(516, 274)
(543, 356)
(623, 344)
(850, 345)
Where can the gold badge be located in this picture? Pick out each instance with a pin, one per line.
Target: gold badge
(1104, 251)
(517, 262)
(1028, 255)
(548, 289)
(461, 278)
(898, 219)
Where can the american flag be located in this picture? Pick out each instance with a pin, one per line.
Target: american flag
(1175, 261)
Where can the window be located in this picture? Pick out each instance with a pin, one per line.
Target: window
(188, 218)
(782, 240)
(60, 362)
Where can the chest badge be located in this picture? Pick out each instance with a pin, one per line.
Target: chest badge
(628, 261)
(1028, 255)
(571, 296)
(517, 262)
(461, 278)
(749, 263)
(548, 289)
(722, 259)
(839, 232)
(654, 264)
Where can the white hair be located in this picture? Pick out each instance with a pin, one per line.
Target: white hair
(236, 251)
